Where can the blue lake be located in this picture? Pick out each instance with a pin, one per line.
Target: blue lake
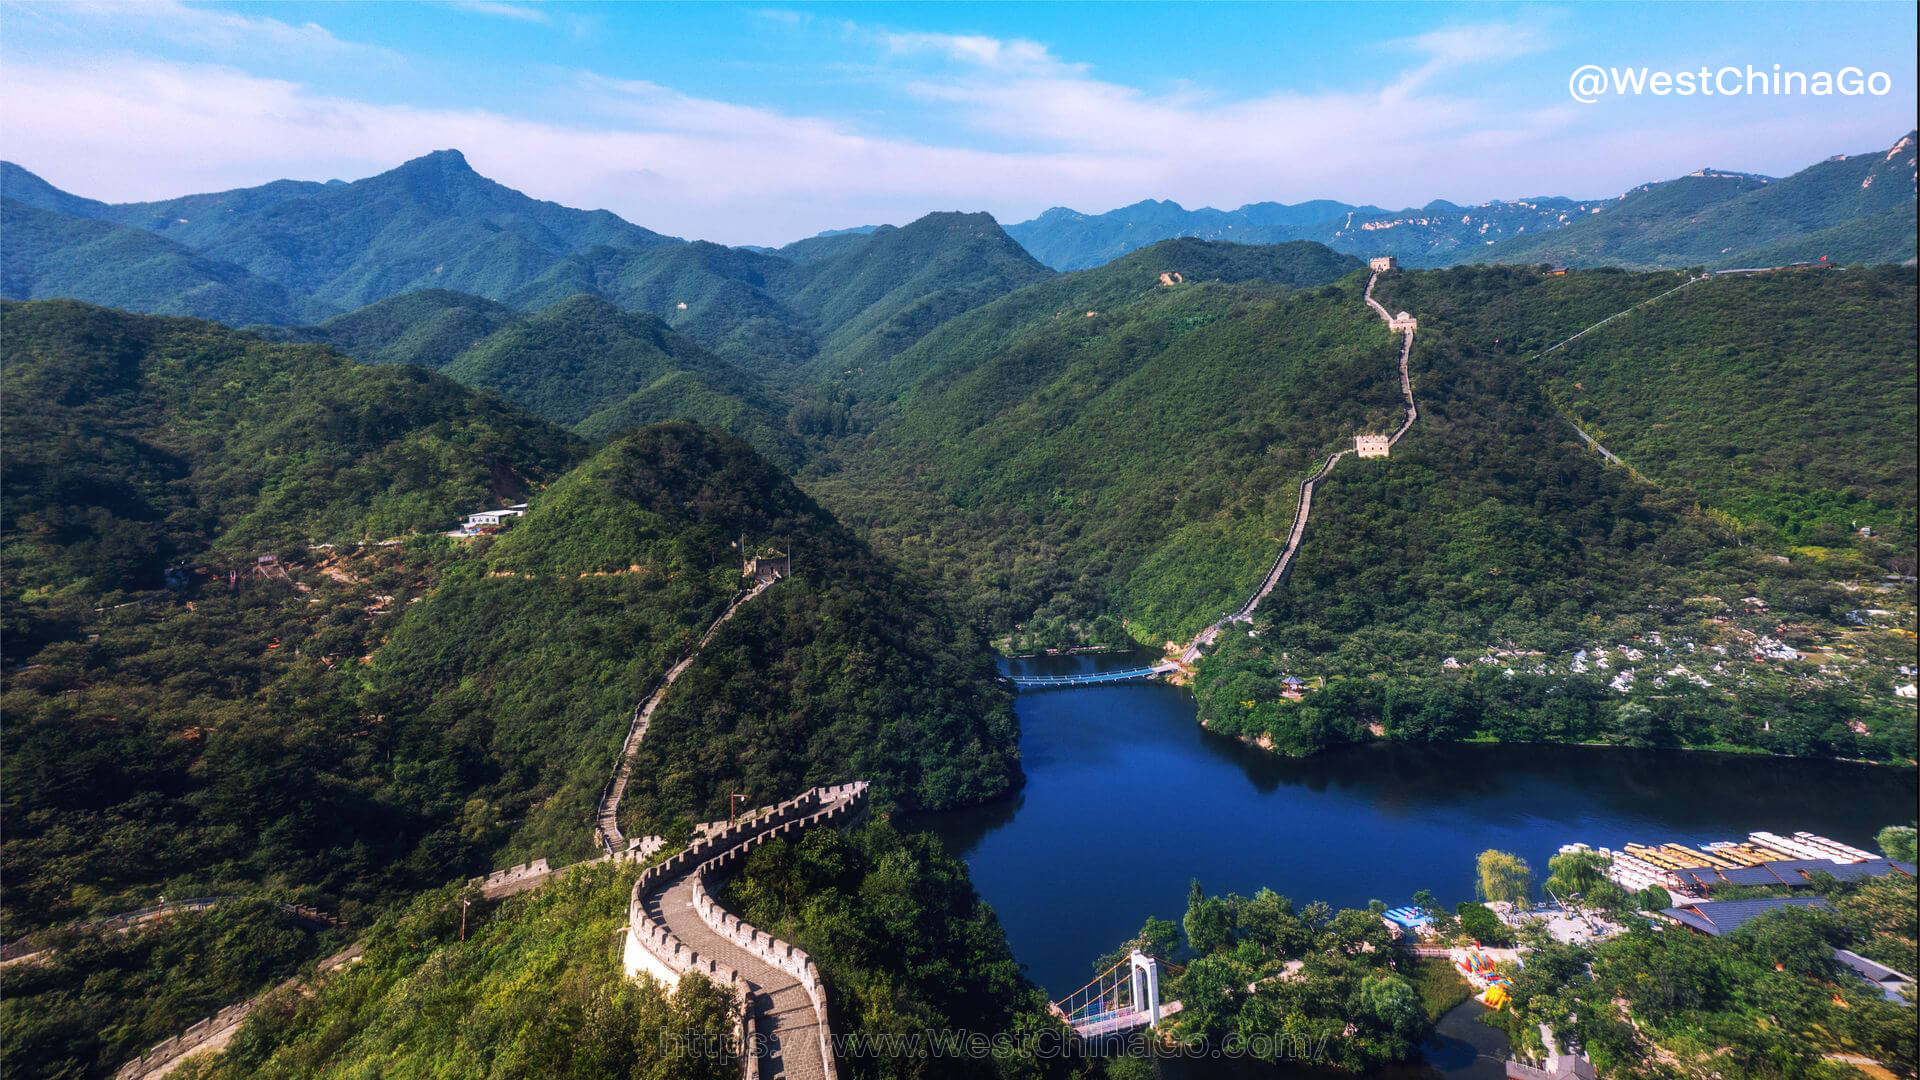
(1127, 800)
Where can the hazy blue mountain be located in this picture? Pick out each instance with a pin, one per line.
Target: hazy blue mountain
(430, 223)
(827, 244)
(1857, 208)
(1437, 234)
(1850, 208)
(25, 187)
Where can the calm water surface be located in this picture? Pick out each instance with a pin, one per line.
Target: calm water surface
(1127, 800)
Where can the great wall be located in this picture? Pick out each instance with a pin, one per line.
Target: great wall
(1402, 323)
(675, 926)
(606, 819)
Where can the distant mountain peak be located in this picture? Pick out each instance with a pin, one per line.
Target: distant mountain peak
(445, 159)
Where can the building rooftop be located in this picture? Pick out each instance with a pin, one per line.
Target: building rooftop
(1716, 917)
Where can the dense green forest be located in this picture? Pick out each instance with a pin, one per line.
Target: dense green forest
(426, 328)
(585, 364)
(524, 666)
(134, 441)
(357, 719)
(532, 988)
(101, 999)
(1135, 463)
(52, 255)
(242, 658)
(1304, 985)
(1783, 399)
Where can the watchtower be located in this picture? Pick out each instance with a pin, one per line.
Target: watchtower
(1372, 445)
(1380, 264)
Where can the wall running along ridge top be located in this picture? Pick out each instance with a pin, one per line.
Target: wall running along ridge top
(675, 926)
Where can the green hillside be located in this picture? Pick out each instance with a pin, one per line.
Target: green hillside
(1495, 579)
(846, 302)
(1137, 462)
(1782, 399)
(565, 624)
(874, 299)
(588, 365)
(50, 255)
(904, 944)
(137, 440)
(730, 295)
(356, 722)
(421, 1001)
(426, 328)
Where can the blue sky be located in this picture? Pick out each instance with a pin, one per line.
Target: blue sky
(763, 123)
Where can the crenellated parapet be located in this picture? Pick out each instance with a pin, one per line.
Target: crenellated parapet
(674, 925)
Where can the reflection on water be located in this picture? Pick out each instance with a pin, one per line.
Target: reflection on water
(1127, 800)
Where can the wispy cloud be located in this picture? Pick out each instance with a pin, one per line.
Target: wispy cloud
(215, 29)
(1455, 47)
(979, 51)
(519, 12)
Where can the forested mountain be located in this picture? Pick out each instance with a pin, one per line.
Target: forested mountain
(853, 299)
(1103, 443)
(426, 328)
(562, 625)
(587, 365)
(347, 722)
(136, 441)
(581, 363)
(295, 252)
(1495, 577)
(731, 297)
(1849, 209)
(430, 223)
(50, 255)
(1102, 457)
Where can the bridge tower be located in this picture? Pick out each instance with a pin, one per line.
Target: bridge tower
(1146, 985)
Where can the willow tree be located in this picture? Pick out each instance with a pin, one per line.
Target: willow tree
(1505, 876)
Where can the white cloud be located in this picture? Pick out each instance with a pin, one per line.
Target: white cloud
(978, 50)
(519, 12)
(1001, 125)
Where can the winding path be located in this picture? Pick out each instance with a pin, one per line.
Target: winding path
(606, 821)
(1283, 564)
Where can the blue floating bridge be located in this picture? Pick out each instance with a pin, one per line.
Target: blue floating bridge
(1086, 678)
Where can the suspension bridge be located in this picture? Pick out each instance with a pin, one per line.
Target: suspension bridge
(1119, 999)
(1089, 678)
